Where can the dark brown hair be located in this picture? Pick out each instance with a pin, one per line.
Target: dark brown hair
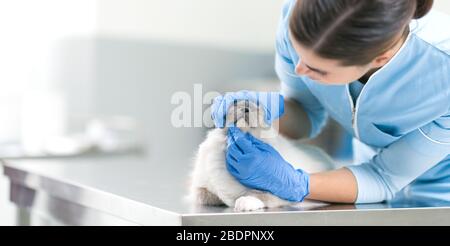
(353, 31)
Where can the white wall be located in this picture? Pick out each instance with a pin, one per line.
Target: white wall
(442, 5)
(31, 33)
(243, 24)
(31, 30)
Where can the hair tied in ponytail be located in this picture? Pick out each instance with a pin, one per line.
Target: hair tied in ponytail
(423, 7)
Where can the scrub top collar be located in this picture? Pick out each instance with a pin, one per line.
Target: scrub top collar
(355, 106)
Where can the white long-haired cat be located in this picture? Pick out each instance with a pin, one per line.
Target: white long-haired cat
(212, 184)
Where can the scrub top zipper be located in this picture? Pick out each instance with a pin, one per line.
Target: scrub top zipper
(355, 106)
(353, 109)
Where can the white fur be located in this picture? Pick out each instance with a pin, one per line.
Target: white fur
(212, 184)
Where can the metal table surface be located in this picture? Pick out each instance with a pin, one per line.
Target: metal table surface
(135, 190)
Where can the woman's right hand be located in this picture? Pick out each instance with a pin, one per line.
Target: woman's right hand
(272, 103)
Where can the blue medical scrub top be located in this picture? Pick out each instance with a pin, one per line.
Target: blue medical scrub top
(400, 119)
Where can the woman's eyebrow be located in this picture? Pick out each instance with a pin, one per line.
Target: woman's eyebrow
(316, 70)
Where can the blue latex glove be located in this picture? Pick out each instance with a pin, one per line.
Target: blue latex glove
(259, 166)
(272, 102)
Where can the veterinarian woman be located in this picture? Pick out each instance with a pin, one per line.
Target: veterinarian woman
(381, 69)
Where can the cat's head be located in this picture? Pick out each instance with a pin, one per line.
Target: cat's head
(249, 117)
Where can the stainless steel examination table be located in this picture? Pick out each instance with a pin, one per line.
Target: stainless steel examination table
(133, 190)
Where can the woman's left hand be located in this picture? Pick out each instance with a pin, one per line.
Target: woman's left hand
(259, 166)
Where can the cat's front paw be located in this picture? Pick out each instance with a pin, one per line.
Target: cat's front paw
(248, 203)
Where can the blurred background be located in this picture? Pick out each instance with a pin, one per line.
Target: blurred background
(84, 75)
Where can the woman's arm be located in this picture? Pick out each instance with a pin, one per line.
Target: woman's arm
(333, 186)
(394, 167)
(295, 123)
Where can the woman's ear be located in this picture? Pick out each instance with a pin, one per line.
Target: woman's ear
(382, 59)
